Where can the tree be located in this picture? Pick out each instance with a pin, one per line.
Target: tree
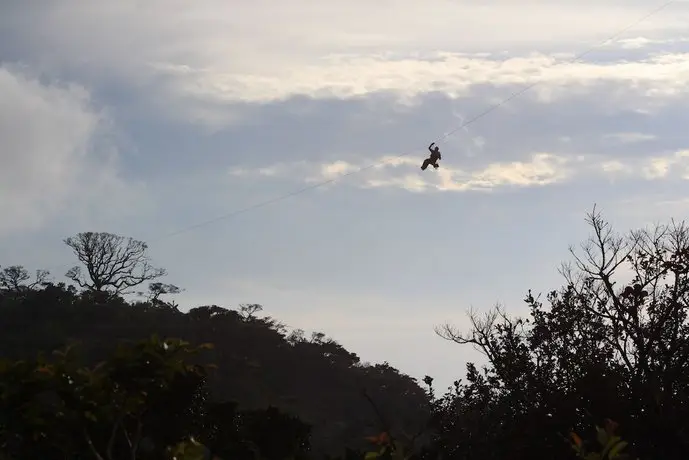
(13, 278)
(248, 311)
(613, 342)
(147, 400)
(317, 381)
(114, 263)
(155, 290)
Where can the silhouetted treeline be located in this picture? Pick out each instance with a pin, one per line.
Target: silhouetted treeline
(259, 363)
(599, 368)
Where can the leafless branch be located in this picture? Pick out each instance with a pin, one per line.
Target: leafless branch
(481, 332)
(13, 278)
(113, 263)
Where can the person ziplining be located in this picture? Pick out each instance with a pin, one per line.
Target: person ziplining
(435, 151)
(433, 159)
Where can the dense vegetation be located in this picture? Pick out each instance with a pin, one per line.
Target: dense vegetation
(259, 364)
(144, 380)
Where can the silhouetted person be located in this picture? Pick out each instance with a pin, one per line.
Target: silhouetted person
(433, 159)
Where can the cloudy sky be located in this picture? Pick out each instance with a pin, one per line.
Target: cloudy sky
(148, 117)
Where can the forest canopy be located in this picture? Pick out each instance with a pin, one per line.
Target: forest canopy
(607, 349)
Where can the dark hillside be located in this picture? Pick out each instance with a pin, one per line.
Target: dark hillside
(259, 362)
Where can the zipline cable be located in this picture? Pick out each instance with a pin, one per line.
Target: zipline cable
(576, 58)
(440, 139)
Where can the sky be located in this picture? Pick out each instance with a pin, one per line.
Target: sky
(144, 118)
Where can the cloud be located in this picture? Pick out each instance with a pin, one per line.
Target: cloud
(227, 104)
(660, 167)
(630, 138)
(401, 172)
(262, 35)
(664, 166)
(454, 74)
(643, 42)
(197, 60)
(539, 169)
(337, 169)
(54, 152)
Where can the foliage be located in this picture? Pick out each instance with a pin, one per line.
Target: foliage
(13, 279)
(388, 448)
(264, 367)
(613, 341)
(148, 400)
(157, 289)
(189, 449)
(58, 408)
(312, 378)
(612, 445)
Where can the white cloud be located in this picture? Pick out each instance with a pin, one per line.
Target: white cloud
(630, 138)
(540, 169)
(248, 33)
(52, 154)
(403, 172)
(658, 167)
(261, 51)
(336, 169)
(451, 73)
(642, 42)
(662, 166)
(200, 61)
(615, 167)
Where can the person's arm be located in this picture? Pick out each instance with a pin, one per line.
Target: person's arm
(430, 147)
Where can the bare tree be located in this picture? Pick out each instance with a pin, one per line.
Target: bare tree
(636, 285)
(649, 313)
(13, 278)
(484, 330)
(623, 315)
(113, 263)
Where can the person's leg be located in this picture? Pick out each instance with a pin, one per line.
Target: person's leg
(425, 164)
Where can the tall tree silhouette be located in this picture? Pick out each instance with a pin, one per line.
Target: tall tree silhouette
(613, 342)
(113, 263)
(14, 278)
